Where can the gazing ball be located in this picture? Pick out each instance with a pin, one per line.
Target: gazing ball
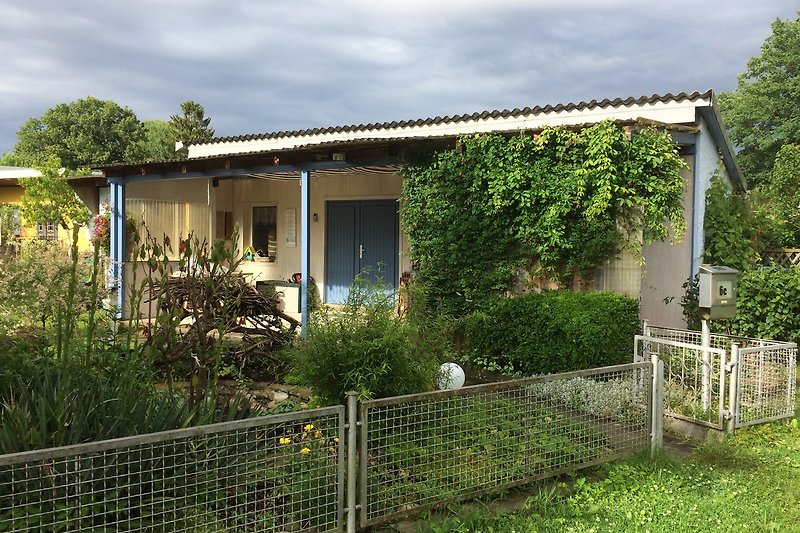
(451, 376)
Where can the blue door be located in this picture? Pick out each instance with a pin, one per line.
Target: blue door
(361, 236)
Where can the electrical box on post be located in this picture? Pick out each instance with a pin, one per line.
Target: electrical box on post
(717, 291)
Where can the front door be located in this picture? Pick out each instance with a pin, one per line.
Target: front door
(361, 237)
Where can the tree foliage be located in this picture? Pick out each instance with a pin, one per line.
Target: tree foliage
(81, 133)
(191, 125)
(781, 198)
(158, 143)
(50, 199)
(763, 112)
(729, 228)
(563, 202)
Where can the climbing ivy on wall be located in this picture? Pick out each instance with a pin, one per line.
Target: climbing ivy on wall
(557, 203)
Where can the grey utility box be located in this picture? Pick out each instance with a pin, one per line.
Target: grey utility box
(717, 291)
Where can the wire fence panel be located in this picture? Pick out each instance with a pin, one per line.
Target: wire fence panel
(276, 473)
(766, 383)
(424, 450)
(694, 377)
(716, 340)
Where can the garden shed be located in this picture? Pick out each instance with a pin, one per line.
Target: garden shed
(323, 202)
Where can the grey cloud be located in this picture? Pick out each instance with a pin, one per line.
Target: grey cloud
(284, 64)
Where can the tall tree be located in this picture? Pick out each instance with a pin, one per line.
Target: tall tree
(81, 133)
(192, 125)
(763, 112)
(158, 143)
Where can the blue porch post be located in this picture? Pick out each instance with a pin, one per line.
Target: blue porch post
(117, 215)
(305, 249)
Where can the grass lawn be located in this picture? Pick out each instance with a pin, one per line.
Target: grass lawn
(749, 482)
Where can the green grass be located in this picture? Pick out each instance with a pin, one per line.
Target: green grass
(749, 482)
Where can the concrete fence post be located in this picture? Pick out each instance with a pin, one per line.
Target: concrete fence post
(657, 405)
(352, 458)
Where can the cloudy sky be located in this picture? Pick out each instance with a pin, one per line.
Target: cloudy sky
(267, 65)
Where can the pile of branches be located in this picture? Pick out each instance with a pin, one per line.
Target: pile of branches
(222, 301)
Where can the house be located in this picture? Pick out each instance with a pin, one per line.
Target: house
(88, 188)
(323, 201)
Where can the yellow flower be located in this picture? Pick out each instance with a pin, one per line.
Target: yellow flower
(317, 434)
(548, 419)
(305, 451)
(336, 440)
(304, 436)
(285, 440)
(309, 427)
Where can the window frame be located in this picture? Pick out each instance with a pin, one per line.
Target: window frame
(256, 246)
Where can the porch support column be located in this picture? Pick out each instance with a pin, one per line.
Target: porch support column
(117, 245)
(305, 249)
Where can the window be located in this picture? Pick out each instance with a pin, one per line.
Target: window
(265, 231)
(47, 232)
(9, 223)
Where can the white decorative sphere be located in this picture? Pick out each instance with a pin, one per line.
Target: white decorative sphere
(451, 376)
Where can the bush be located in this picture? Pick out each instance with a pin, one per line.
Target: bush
(363, 348)
(34, 286)
(552, 331)
(768, 304)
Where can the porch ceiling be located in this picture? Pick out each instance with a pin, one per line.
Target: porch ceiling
(369, 155)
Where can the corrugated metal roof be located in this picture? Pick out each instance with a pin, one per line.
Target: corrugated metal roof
(482, 115)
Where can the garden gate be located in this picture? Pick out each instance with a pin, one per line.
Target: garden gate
(722, 381)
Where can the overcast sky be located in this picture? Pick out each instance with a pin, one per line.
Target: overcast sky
(267, 65)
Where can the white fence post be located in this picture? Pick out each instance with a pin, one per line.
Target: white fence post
(657, 404)
(733, 389)
(705, 394)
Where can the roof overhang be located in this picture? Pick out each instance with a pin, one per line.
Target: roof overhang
(713, 119)
(9, 176)
(374, 155)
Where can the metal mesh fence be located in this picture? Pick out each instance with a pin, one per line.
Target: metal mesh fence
(764, 376)
(428, 449)
(716, 340)
(694, 378)
(276, 473)
(766, 383)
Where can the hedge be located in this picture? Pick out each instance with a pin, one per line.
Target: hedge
(552, 331)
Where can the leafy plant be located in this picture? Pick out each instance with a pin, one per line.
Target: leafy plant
(34, 285)
(767, 305)
(363, 348)
(555, 205)
(729, 228)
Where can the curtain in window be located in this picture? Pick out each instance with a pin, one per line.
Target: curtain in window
(174, 219)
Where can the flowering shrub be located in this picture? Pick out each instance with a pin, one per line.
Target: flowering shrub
(308, 464)
(101, 230)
